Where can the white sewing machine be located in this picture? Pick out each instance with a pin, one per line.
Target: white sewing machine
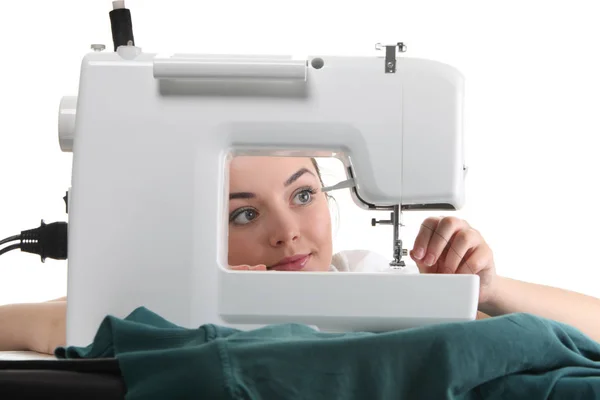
(151, 136)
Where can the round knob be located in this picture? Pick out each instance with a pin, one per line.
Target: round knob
(66, 122)
(98, 47)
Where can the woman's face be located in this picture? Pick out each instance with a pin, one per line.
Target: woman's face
(277, 214)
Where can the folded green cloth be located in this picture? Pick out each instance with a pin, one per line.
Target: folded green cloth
(518, 356)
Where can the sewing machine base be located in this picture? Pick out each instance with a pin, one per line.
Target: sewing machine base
(353, 301)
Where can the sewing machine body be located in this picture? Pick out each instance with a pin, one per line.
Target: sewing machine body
(151, 138)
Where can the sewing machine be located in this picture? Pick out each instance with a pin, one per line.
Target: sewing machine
(152, 135)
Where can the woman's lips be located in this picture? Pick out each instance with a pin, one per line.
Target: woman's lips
(295, 263)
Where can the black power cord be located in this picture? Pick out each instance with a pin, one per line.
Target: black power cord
(9, 248)
(10, 239)
(47, 241)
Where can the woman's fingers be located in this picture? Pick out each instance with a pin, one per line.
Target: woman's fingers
(434, 236)
(479, 259)
(423, 237)
(240, 267)
(461, 243)
(260, 267)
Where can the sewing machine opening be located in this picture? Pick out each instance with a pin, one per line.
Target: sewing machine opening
(277, 217)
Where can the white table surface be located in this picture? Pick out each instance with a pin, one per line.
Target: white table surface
(25, 355)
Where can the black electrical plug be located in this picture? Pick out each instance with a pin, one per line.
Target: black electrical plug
(47, 240)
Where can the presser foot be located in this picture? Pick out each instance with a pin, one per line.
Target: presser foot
(396, 221)
(397, 264)
(399, 252)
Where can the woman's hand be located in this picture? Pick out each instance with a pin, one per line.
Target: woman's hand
(449, 245)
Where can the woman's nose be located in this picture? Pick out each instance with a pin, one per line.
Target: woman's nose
(285, 229)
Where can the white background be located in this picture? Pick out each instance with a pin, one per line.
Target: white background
(532, 120)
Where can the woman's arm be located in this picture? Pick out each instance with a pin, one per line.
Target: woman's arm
(575, 309)
(39, 327)
(450, 245)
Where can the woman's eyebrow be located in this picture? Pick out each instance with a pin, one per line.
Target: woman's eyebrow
(288, 182)
(297, 175)
(241, 195)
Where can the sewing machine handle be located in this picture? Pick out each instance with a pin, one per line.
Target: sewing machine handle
(279, 70)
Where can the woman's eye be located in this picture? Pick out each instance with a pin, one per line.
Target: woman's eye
(303, 197)
(243, 217)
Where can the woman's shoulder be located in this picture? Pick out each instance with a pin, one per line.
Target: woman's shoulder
(363, 261)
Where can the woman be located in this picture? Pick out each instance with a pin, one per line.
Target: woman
(279, 220)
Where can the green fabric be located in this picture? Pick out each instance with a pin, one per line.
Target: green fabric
(509, 357)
